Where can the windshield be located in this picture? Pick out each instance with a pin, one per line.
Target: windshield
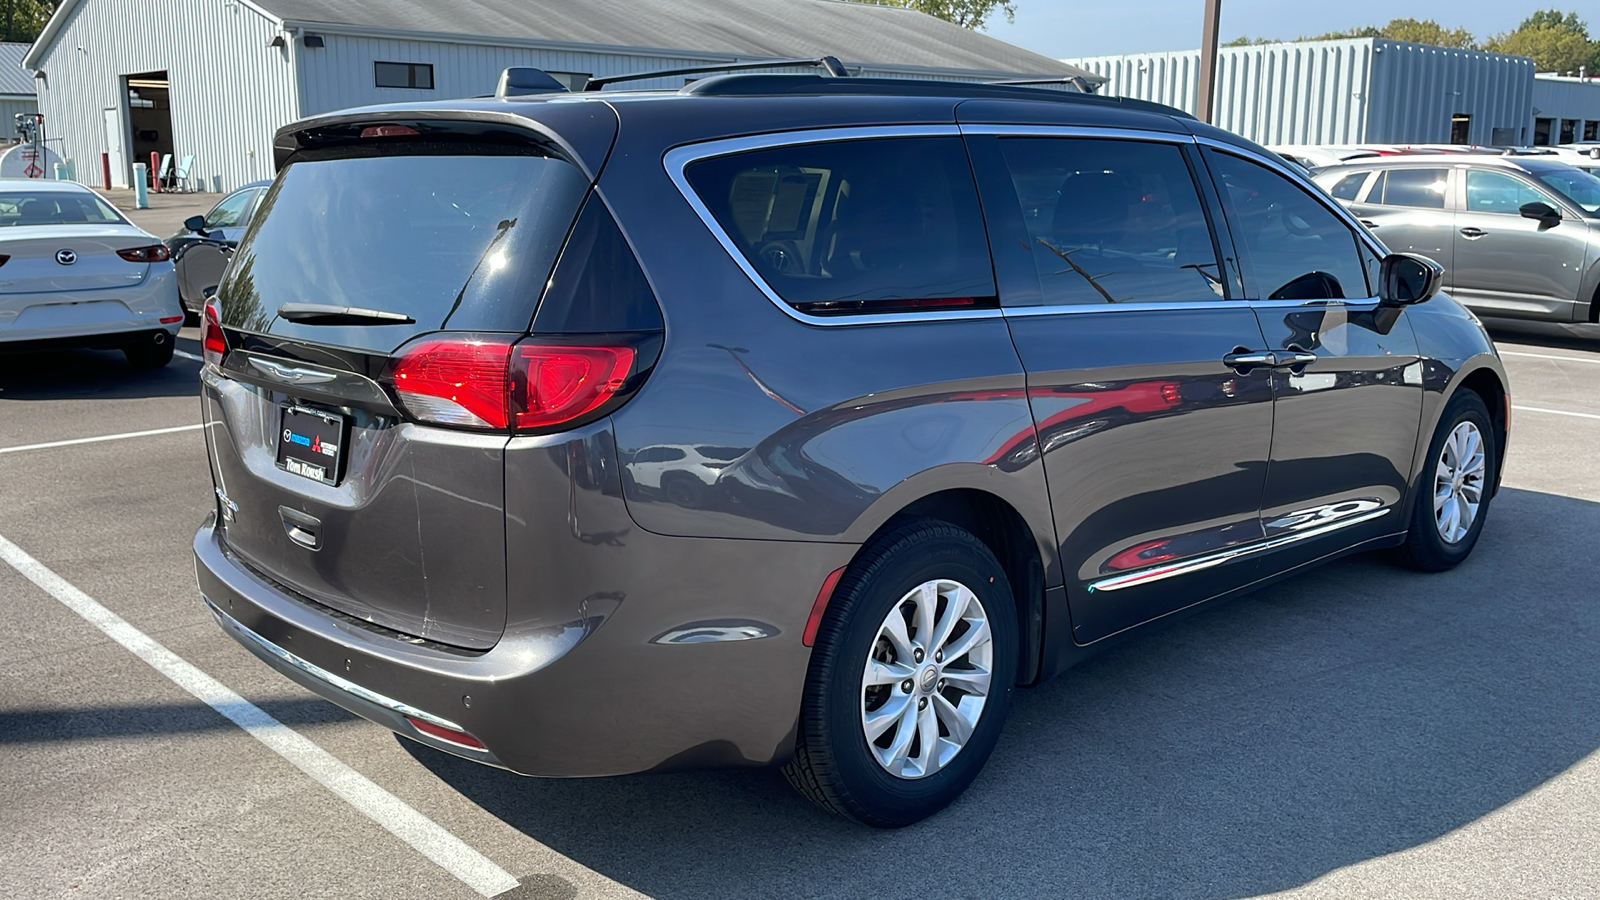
(1578, 187)
(452, 237)
(55, 208)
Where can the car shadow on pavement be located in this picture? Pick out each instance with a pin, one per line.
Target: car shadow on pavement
(1349, 713)
(1546, 334)
(78, 723)
(96, 375)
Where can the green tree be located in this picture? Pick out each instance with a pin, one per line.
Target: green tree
(22, 20)
(966, 13)
(1416, 31)
(1557, 42)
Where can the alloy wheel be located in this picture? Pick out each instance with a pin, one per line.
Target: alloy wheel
(1458, 482)
(927, 679)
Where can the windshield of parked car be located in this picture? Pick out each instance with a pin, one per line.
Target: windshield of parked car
(1578, 187)
(55, 208)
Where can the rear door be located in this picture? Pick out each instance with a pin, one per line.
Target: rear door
(1515, 266)
(1349, 401)
(1125, 314)
(327, 489)
(1408, 208)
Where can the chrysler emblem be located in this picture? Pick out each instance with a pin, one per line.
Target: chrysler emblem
(66, 257)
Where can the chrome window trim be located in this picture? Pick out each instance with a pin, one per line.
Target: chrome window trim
(229, 623)
(1211, 560)
(678, 159)
(1079, 131)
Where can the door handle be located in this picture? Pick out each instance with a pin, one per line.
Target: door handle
(1369, 223)
(1473, 233)
(1268, 359)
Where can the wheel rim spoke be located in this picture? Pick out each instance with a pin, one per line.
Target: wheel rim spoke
(977, 636)
(969, 681)
(1458, 482)
(954, 722)
(882, 673)
(928, 741)
(884, 717)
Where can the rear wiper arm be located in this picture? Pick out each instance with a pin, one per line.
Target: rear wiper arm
(328, 314)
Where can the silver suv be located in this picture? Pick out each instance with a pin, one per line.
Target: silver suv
(1518, 237)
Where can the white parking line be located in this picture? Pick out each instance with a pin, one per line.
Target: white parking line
(1580, 359)
(427, 837)
(187, 355)
(104, 437)
(1555, 412)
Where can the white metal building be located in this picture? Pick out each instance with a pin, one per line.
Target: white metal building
(214, 78)
(1366, 90)
(16, 88)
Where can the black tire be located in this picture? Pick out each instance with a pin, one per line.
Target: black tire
(834, 766)
(1425, 548)
(150, 352)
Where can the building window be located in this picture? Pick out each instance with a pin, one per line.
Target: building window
(403, 75)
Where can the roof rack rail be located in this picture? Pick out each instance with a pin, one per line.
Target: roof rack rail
(827, 64)
(1084, 85)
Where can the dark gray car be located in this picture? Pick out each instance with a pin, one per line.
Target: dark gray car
(201, 251)
(1518, 237)
(791, 420)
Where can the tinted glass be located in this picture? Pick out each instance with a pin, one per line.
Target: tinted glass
(1497, 192)
(1112, 221)
(854, 225)
(1293, 247)
(459, 240)
(232, 211)
(1423, 188)
(55, 208)
(1349, 186)
(597, 286)
(1578, 186)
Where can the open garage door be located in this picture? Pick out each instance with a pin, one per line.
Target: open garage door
(149, 117)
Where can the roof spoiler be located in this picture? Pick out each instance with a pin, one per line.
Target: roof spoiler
(1077, 82)
(828, 64)
(518, 81)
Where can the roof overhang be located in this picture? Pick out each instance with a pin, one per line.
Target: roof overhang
(52, 30)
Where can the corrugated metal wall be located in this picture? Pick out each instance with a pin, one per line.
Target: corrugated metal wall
(1335, 92)
(1566, 98)
(229, 90)
(9, 107)
(1417, 89)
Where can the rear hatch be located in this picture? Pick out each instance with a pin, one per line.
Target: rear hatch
(332, 485)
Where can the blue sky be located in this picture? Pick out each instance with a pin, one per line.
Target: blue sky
(1063, 28)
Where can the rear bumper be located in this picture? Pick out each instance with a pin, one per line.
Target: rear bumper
(107, 317)
(601, 695)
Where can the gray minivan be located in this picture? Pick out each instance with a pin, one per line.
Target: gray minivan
(790, 420)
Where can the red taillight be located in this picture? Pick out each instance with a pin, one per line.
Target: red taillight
(446, 734)
(168, 320)
(151, 254)
(552, 384)
(456, 381)
(213, 343)
(492, 383)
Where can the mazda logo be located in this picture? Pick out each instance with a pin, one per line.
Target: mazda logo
(66, 257)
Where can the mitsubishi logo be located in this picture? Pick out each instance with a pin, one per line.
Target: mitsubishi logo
(66, 257)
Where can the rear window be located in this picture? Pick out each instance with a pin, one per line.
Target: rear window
(456, 237)
(55, 208)
(1349, 186)
(855, 226)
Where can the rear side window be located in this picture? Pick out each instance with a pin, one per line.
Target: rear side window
(598, 286)
(1112, 221)
(1293, 247)
(855, 226)
(1420, 188)
(457, 237)
(1349, 187)
(233, 211)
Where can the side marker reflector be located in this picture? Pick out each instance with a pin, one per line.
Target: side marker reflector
(460, 738)
(814, 621)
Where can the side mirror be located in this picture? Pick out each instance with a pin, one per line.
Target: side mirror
(196, 224)
(1543, 212)
(1405, 278)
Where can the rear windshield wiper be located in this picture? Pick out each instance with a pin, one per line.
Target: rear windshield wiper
(328, 314)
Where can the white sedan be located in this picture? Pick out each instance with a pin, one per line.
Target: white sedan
(75, 273)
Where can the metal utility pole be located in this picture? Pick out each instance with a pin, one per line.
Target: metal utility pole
(1208, 61)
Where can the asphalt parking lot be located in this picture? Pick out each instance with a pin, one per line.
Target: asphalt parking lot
(1361, 731)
